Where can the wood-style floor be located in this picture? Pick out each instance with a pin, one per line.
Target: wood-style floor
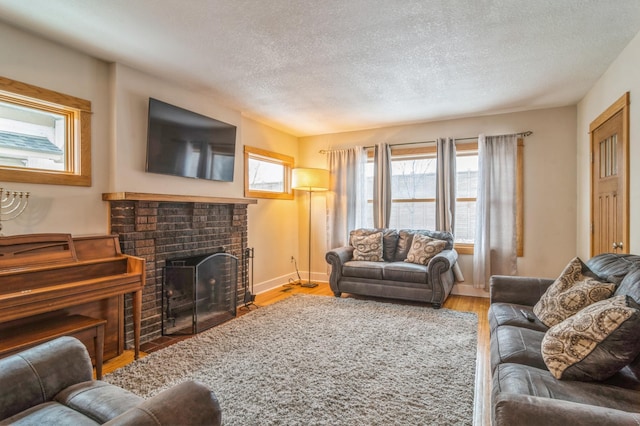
(482, 407)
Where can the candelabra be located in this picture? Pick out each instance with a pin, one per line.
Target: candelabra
(12, 204)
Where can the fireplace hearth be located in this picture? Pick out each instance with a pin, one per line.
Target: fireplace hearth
(199, 292)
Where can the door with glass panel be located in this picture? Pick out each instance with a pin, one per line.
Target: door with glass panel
(609, 178)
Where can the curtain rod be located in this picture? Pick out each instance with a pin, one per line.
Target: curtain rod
(522, 134)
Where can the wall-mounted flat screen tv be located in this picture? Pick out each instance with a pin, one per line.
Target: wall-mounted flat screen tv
(184, 143)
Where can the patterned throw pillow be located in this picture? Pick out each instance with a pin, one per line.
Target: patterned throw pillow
(596, 342)
(572, 291)
(423, 248)
(367, 247)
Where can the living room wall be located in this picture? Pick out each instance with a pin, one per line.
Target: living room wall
(119, 97)
(620, 77)
(549, 170)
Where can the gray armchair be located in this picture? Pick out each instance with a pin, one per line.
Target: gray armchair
(52, 384)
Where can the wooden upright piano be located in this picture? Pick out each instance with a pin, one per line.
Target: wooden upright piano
(48, 276)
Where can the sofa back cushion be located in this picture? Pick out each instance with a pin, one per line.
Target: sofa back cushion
(630, 285)
(405, 239)
(613, 267)
(389, 240)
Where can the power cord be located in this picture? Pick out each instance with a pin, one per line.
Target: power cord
(289, 286)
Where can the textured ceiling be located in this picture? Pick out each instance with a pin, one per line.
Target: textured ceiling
(324, 66)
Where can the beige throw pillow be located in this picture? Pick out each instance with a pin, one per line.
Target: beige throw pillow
(571, 292)
(596, 342)
(423, 248)
(367, 247)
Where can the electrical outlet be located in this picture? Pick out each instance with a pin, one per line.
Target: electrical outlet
(293, 259)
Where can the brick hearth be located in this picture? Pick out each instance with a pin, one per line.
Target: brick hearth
(161, 230)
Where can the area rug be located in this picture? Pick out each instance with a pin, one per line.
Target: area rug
(313, 360)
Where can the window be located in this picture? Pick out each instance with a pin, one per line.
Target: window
(45, 136)
(413, 189)
(267, 174)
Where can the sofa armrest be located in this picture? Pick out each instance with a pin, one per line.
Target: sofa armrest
(337, 258)
(188, 403)
(36, 375)
(518, 290)
(440, 275)
(526, 410)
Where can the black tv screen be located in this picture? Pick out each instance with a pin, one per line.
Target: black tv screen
(184, 143)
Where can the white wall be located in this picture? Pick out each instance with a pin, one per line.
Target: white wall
(549, 174)
(55, 208)
(621, 77)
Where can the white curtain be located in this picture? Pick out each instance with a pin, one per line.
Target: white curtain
(445, 184)
(495, 240)
(446, 190)
(345, 200)
(382, 186)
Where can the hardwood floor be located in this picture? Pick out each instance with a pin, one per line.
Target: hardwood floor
(482, 406)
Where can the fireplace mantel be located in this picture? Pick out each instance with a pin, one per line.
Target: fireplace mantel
(143, 196)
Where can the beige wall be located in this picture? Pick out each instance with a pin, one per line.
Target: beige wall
(621, 77)
(53, 208)
(550, 169)
(119, 97)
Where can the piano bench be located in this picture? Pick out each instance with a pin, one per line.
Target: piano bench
(18, 338)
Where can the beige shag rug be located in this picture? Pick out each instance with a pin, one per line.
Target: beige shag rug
(312, 360)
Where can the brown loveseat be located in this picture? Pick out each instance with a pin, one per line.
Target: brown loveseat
(51, 384)
(391, 276)
(524, 391)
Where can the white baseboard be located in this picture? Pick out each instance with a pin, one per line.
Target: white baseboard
(462, 289)
(264, 286)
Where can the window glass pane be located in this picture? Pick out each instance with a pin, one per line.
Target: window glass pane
(467, 176)
(32, 138)
(465, 222)
(413, 178)
(413, 215)
(265, 175)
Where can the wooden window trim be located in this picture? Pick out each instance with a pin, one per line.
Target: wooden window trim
(78, 134)
(275, 157)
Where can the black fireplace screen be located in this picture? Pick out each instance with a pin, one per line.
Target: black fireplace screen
(198, 293)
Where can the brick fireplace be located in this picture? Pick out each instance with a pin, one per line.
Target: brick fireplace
(159, 227)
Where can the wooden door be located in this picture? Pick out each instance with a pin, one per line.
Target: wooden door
(609, 179)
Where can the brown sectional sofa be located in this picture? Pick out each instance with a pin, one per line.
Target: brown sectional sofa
(524, 392)
(393, 277)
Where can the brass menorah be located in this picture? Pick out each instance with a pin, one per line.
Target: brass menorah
(12, 204)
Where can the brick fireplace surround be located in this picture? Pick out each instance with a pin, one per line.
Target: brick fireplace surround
(158, 227)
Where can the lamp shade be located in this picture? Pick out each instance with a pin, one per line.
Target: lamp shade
(310, 179)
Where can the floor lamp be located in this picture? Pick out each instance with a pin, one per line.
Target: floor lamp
(310, 180)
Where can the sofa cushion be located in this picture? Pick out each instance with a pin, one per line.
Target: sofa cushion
(405, 272)
(613, 267)
(367, 247)
(99, 400)
(630, 285)
(363, 269)
(573, 290)
(516, 345)
(50, 413)
(596, 342)
(389, 240)
(423, 248)
(512, 314)
(530, 381)
(405, 239)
